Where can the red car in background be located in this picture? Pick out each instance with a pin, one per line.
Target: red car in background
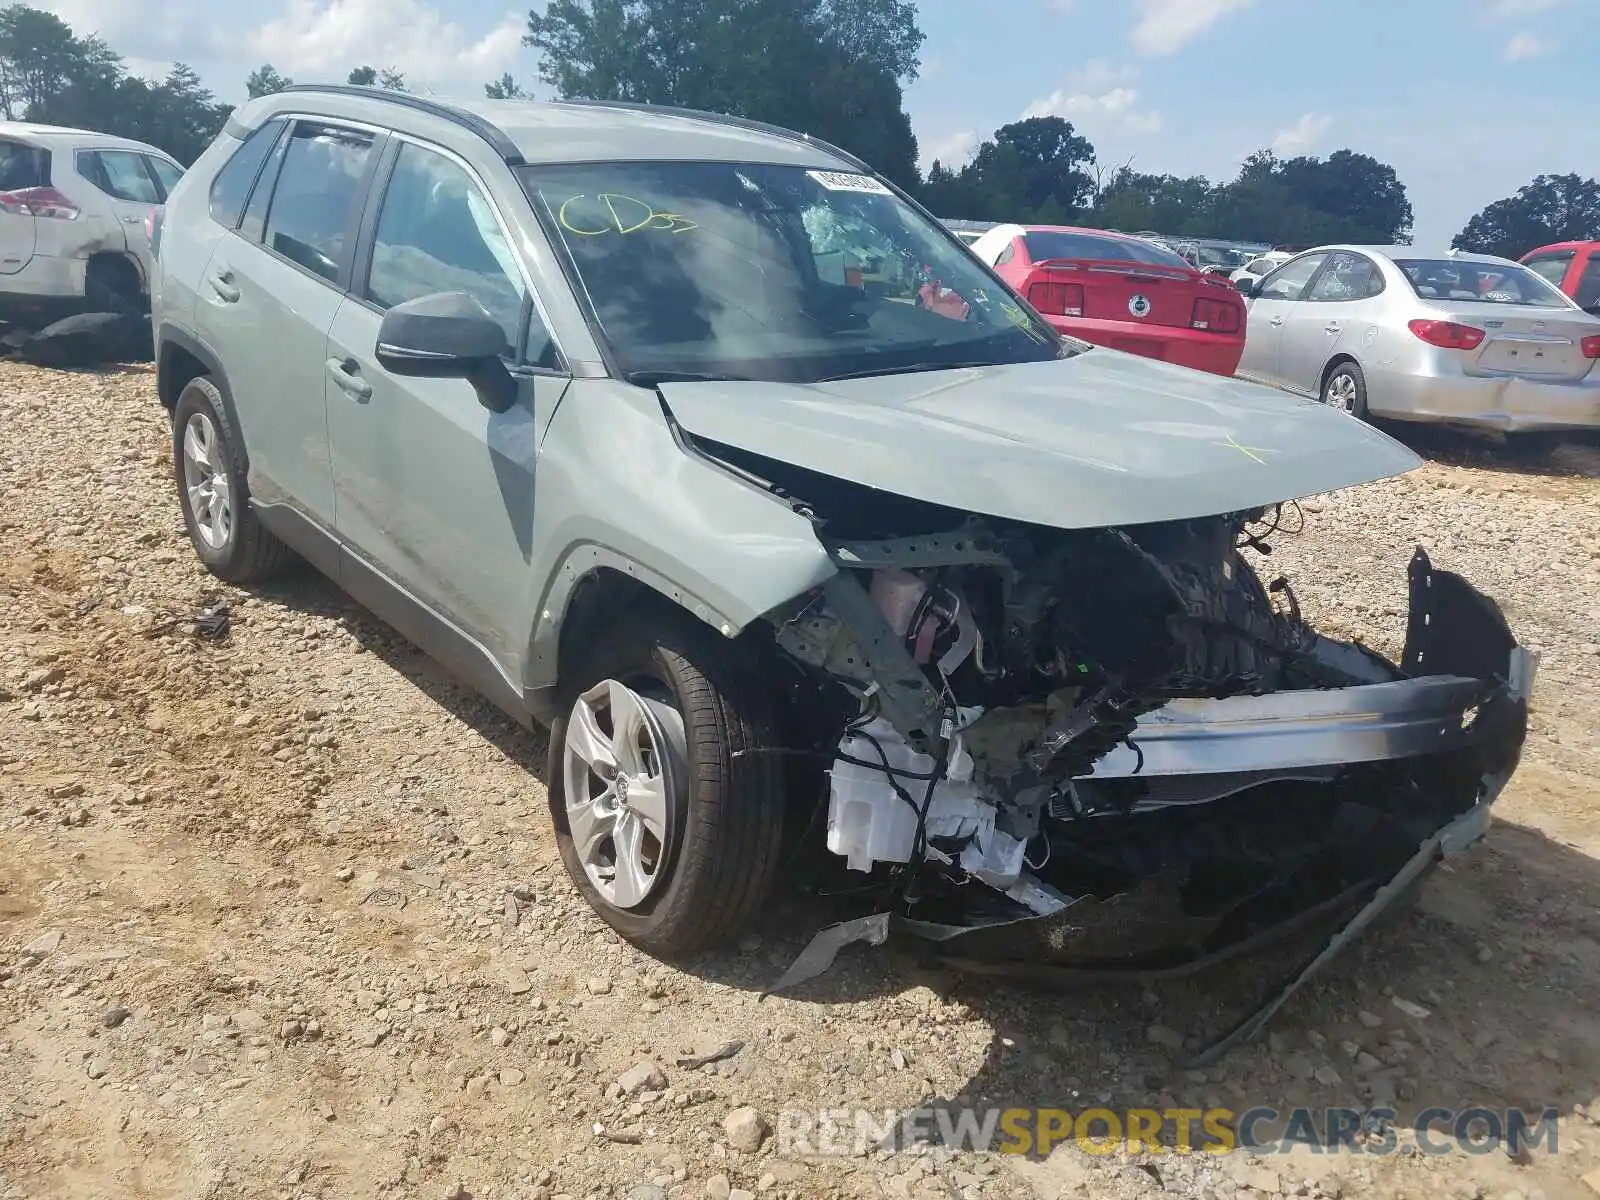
(1120, 291)
(1574, 267)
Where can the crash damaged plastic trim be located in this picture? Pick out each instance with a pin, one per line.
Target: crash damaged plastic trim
(1370, 723)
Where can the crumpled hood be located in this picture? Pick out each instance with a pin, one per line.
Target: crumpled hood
(1103, 438)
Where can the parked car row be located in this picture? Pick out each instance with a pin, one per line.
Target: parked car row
(1375, 331)
(75, 213)
(1390, 331)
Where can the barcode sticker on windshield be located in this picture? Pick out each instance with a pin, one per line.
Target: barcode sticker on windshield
(849, 181)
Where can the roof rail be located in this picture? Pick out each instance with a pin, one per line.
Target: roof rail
(487, 130)
(736, 122)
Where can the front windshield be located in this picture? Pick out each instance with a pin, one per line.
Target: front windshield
(774, 273)
(1490, 283)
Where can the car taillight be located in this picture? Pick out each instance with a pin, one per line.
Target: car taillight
(1448, 335)
(1217, 316)
(1057, 299)
(1591, 346)
(152, 230)
(38, 202)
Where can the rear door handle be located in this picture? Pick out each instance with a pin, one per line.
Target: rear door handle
(1331, 327)
(1277, 321)
(348, 376)
(222, 284)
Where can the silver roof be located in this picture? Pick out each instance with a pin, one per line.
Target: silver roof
(560, 132)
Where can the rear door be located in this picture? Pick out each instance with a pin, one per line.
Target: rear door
(1335, 315)
(1268, 313)
(131, 190)
(268, 297)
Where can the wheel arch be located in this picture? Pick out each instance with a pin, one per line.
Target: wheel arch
(1338, 360)
(181, 359)
(594, 588)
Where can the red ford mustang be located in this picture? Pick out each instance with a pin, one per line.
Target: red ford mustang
(1120, 291)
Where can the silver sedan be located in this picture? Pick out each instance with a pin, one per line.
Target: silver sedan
(1394, 332)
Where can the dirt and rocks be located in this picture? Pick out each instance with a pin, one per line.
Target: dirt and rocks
(281, 916)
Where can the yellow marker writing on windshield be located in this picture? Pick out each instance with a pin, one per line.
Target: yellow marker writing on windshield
(622, 214)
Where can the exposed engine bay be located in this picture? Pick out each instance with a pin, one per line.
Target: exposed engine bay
(1142, 752)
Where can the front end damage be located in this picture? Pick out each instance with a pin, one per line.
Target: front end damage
(1117, 750)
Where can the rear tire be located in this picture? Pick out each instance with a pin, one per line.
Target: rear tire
(711, 853)
(214, 490)
(1345, 388)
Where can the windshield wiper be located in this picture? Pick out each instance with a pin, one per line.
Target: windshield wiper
(909, 369)
(652, 378)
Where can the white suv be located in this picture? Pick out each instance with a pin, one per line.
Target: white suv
(75, 209)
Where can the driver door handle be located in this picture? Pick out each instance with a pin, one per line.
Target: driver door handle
(222, 284)
(348, 376)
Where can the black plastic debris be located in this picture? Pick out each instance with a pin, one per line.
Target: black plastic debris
(212, 621)
(82, 340)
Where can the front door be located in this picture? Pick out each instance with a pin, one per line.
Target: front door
(1269, 312)
(432, 489)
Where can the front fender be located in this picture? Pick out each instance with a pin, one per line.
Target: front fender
(616, 489)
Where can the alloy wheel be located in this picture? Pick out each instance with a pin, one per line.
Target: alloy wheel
(623, 768)
(1341, 393)
(205, 479)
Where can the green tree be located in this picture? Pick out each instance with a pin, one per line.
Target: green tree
(1036, 170)
(50, 75)
(387, 77)
(830, 68)
(266, 80)
(504, 88)
(1553, 208)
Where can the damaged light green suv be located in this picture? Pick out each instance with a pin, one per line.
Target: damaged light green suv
(698, 442)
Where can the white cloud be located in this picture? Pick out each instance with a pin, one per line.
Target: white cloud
(1525, 45)
(325, 38)
(1302, 135)
(1166, 26)
(953, 149)
(1511, 10)
(1101, 99)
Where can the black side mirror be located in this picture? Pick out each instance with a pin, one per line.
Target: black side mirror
(1247, 287)
(448, 335)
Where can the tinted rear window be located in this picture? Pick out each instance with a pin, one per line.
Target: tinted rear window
(1047, 245)
(121, 174)
(231, 188)
(1484, 283)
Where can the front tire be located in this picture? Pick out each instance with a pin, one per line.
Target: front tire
(668, 811)
(1345, 388)
(214, 490)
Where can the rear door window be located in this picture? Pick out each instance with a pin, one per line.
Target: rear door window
(1552, 266)
(120, 174)
(1348, 277)
(231, 188)
(313, 203)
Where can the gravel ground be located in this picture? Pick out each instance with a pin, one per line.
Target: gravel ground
(281, 915)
